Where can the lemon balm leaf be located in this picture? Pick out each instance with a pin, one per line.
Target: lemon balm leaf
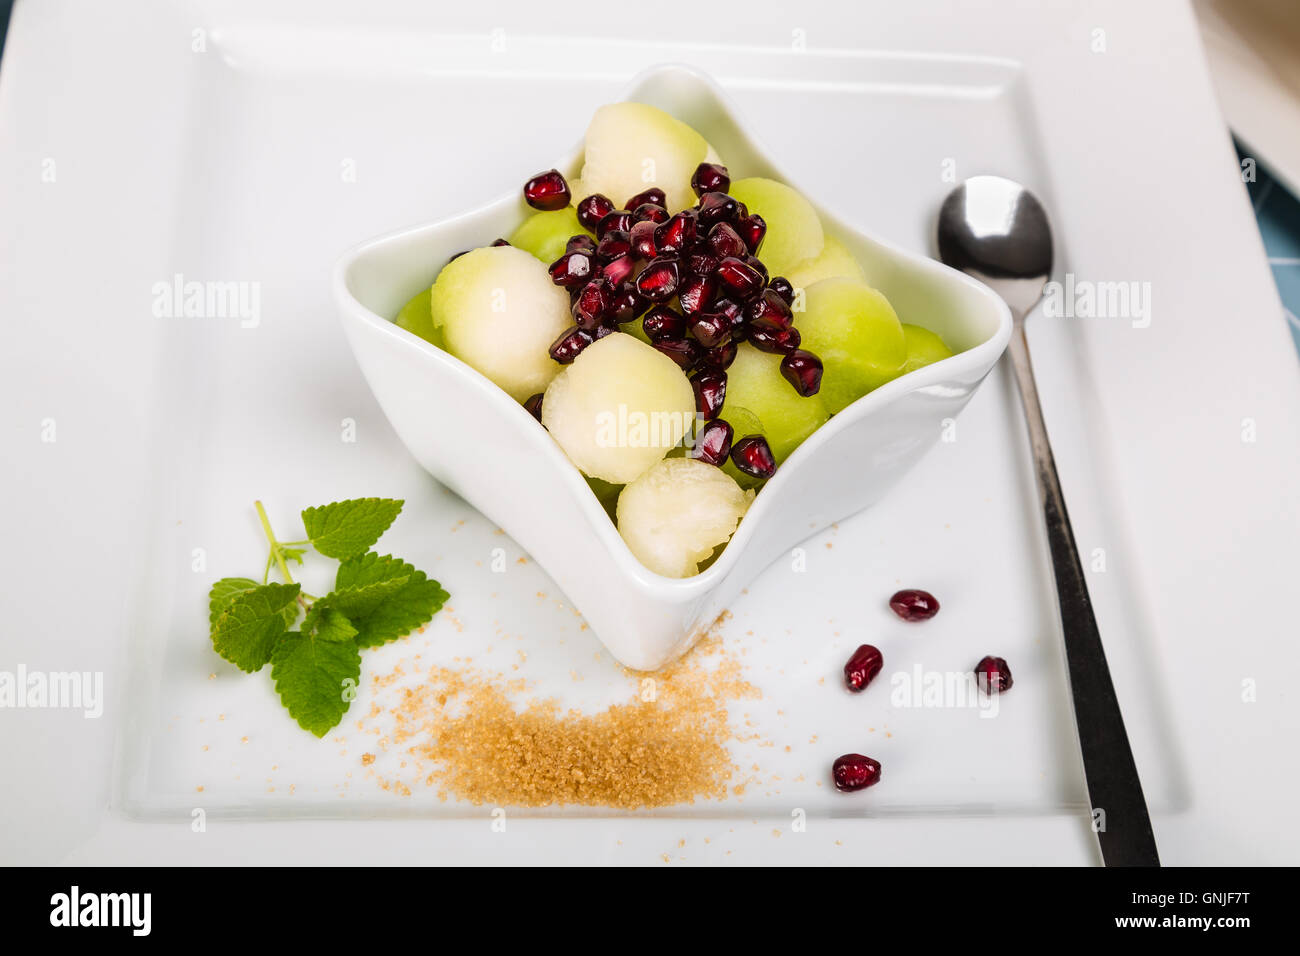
(384, 597)
(316, 673)
(347, 528)
(224, 592)
(245, 632)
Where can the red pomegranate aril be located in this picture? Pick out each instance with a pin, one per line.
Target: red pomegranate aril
(774, 341)
(547, 191)
(715, 208)
(702, 262)
(661, 322)
(725, 241)
(754, 457)
(710, 177)
(803, 371)
(735, 316)
(602, 330)
(500, 242)
(659, 279)
(864, 665)
(710, 392)
(534, 406)
(456, 255)
(678, 233)
(619, 219)
(993, 675)
(592, 303)
(649, 212)
(573, 269)
(566, 348)
(711, 329)
(756, 264)
(642, 238)
(628, 304)
(653, 196)
(618, 270)
(913, 604)
(854, 772)
(714, 443)
(697, 293)
(752, 229)
(720, 356)
(685, 352)
(593, 209)
(769, 311)
(581, 244)
(613, 244)
(782, 287)
(740, 277)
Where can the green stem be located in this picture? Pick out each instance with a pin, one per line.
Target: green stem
(275, 545)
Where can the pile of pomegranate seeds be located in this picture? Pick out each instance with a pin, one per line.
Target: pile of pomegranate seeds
(912, 604)
(854, 772)
(993, 675)
(706, 260)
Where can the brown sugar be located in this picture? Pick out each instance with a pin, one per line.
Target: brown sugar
(480, 738)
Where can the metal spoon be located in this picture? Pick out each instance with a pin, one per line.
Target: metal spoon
(996, 231)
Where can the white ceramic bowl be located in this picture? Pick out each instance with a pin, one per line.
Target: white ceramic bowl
(477, 441)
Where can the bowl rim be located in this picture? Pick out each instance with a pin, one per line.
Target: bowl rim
(982, 355)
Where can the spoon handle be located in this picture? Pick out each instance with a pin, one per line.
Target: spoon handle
(1119, 810)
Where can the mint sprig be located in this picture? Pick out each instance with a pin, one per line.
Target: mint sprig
(376, 599)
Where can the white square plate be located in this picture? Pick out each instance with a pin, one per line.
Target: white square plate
(234, 142)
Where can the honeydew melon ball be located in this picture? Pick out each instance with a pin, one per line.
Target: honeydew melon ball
(835, 261)
(677, 513)
(545, 234)
(755, 385)
(923, 348)
(633, 146)
(499, 312)
(743, 422)
(415, 318)
(794, 231)
(854, 330)
(618, 408)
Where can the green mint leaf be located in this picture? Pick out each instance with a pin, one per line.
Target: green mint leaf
(316, 674)
(223, 594)
(347, 528)
(252, 622)
(384, 597)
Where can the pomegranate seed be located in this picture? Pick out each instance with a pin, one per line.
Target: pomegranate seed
(547, 191)
(678, 233)
(711, 329)
(619, 219)
(775, 341)
(725, 241)
(714, 443)
(581, 244)
(752, 229)
(642, 238)
(619, 270)
(649, 212)
(914, 605)
(456, 256)
(740, 277)
(662, 322)
(710, 177)
(993, 675)
(572, 269)
(865, 664)
(720, 356)
(803, 370)
(710, 392)
(735, 316)
(654, 196)
(782, 287)
(697, 293)
(613, 244)
(593, 209)
(566, 348)
(769, 311)
(500, 242)
(753, 456)
(717, 207)
(600, 331)
(628, 304)
(854, 772)
(684, 352)
(592, 303)
(534, 406)
(658, 281)
(756, 264)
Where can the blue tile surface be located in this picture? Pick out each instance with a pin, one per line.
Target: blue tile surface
(1278, 213)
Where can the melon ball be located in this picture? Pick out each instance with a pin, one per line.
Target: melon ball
(835, 261)
(631, 147)
(854, 330)
(923, 347)
(545, 234)
(794, 230)
(756, 387)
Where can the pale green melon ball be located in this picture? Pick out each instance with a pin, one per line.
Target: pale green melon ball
(794, 231)
(853, 329)
(631, 147)
(923, 347)
(755, 385)
(544, 234)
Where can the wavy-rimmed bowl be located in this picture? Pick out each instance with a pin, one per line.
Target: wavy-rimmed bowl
(480, 443)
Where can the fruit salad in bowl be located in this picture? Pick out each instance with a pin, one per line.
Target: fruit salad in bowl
(659, 363)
